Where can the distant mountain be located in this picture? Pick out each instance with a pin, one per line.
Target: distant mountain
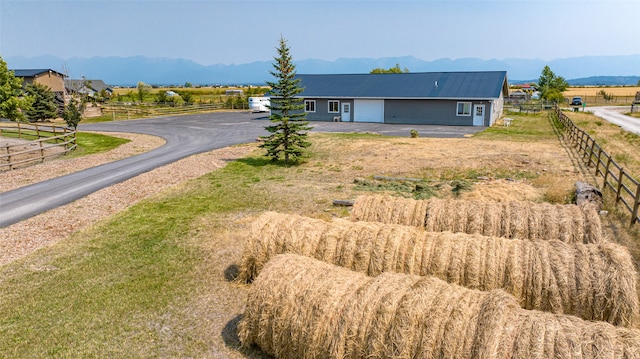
(127, 71)
(605, 81)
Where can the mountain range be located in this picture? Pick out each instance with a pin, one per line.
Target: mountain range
(128, 71)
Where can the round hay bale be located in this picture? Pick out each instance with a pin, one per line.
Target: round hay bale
(512, 219)
(594, 282)
(299, 307)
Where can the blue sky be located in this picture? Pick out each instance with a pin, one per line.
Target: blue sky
(236, 32)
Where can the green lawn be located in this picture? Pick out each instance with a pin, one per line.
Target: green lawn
(101, 293)
(92, 143)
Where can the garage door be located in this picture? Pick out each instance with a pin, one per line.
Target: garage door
(368, 111)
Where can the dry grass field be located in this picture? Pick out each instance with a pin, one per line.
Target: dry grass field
(593, 96)
(595, 90)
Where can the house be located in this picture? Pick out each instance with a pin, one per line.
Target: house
(426, 98)
(87, 87)
(53, 79)
(50, 78)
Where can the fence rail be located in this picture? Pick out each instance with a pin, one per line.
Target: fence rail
(127, 111)
(615, 178)
(44, 141)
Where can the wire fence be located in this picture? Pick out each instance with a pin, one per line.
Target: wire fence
(615, 179)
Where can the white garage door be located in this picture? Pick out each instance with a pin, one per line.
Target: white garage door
(368, 111)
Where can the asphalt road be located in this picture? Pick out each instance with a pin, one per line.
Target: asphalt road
(185, 136)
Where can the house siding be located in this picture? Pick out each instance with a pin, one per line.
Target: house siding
(497, 109)
(52, 80)
(424, 112)
(322, 110)
(413, 112)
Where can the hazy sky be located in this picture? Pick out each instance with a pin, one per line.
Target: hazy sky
(235, 32)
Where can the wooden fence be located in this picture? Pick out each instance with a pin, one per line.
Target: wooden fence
(615, 178)
(44, 141)
(124, 110)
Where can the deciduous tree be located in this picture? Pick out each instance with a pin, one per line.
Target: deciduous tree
(392, 70)
(73, 113)
(13, 101)
(551, 86)
(143, 90)
(288, 132)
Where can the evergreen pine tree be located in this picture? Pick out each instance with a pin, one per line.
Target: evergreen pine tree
(288, 136)
(44, 103)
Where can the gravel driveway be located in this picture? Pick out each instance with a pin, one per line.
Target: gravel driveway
(614, 114)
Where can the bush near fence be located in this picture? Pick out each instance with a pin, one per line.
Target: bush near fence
(45, 137)
(625, 188)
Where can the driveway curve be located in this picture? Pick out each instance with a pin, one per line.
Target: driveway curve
(185, 136)
(614, 115)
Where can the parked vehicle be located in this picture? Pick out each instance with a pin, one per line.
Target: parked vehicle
(259, 104)
(576, 101)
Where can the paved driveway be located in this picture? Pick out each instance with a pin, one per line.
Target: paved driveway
(185, 136)
(614, 115)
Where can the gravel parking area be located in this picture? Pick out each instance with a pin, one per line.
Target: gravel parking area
(22, 238)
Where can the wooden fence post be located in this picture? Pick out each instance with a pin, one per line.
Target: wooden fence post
(593, 143)
(636, 199)
(65, 140)
(619, 185)
(606, 173)
(41, 151)
(9, 158)
(598, 160)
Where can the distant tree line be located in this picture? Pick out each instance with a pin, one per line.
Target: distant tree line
(392, 70)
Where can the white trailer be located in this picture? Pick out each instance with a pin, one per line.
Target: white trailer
(259, 104)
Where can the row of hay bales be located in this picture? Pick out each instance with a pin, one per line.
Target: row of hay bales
(509, 219)
(299, 307)
(592, 281)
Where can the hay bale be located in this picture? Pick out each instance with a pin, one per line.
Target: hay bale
(512, 219)
(299, 307)
(594, 282)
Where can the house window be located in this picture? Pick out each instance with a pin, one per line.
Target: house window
(309, 106)
(464, 109)
(334, 106)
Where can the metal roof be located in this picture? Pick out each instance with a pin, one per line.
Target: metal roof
(95, 85)
(32, 72)
(419, 85)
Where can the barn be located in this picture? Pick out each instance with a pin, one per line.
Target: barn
(424, 98)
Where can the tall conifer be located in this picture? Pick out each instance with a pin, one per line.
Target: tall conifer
(44, 105)
(288, 132)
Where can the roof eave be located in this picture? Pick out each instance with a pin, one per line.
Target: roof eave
(398, 98)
